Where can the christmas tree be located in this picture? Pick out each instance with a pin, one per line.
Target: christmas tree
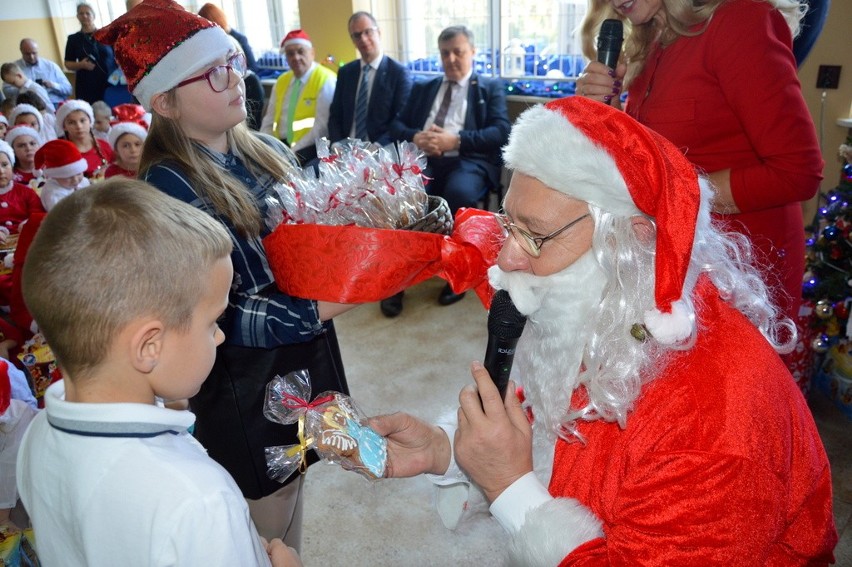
(827, 286)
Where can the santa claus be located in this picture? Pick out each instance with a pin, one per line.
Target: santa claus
(649, 362)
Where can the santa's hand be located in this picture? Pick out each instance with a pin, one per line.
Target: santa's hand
(493, 443)
(414, 446)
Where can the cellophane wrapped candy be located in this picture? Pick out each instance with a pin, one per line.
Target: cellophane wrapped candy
(358, 184)
(330, 424)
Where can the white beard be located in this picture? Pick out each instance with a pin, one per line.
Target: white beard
(561, 316)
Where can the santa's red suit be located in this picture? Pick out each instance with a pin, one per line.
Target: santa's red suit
(695, 478)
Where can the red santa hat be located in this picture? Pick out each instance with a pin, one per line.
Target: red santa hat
(129, 119)
(26, 109)
(60, 158)
(296, 37)
(22, 130)
(67, 108)
(158, 44)
(611, 161)
(6, 148)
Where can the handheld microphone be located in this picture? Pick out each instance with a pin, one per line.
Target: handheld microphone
(505, 325)
(609, 42)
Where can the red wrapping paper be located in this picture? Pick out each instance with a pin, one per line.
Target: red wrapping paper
(351, 264)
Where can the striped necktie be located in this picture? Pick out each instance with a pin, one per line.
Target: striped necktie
(361, 105)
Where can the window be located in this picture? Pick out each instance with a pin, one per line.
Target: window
(533, 44)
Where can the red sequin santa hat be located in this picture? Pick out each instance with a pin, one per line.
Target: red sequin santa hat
(595, 153)
(128, 119)
(59, 159)
(67, 108)
(296, 37)
(158, 44)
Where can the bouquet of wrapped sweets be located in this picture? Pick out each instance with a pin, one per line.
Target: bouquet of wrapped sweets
(330, 424)
(363, 228)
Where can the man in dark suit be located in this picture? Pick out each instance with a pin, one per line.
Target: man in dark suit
(386, 84)
(460, 121)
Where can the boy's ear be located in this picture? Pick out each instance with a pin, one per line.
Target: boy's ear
(147, 345)
(160, 105)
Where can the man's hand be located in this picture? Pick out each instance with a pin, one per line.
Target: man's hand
(414, 446)
(426, 141)
(493, 443)
(443, 140)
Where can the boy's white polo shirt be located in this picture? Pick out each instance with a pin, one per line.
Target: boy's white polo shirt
(126, 484)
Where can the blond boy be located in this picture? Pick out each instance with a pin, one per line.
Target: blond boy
(12, 74)
(127, 285)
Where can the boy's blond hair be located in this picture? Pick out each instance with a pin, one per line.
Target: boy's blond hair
(109, 254)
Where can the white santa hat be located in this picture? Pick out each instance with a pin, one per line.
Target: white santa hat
(60, 159)
(67, 108)
(3, 119)
(158, 44)
(26, 109)
(6, 148)
(22, 130)
(129, 119)
(608, 159)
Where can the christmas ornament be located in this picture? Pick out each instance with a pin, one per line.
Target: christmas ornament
(823, 309)
(820, 344)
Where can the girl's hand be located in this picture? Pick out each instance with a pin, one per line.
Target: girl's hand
(493, 443)
(414, 446)
(599, 82)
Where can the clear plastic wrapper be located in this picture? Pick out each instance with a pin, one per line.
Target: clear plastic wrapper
(330, 424)
(358, 184)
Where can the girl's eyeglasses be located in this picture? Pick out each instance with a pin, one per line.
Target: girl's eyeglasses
(219, 77)
(529, 243)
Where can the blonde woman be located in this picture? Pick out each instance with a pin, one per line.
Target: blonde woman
(718, 78)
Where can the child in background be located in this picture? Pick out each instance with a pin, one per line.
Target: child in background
(75, 119)
(126, 346)
(127, 137)
(25, 142)
(17, 410)
(12, 74)
(28, 115)
(103, 117)
(48, 118)
(63, 168)
(17, 201)
(4, 125)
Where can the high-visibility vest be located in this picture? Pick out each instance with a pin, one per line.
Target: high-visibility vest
(306, 107)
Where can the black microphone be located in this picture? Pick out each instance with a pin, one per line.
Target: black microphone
(505, 325)
(609, 42)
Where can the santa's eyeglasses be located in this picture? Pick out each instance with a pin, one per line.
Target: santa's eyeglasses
(529, 243)
(219, 77)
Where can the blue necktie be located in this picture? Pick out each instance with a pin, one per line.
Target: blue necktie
(361, 105)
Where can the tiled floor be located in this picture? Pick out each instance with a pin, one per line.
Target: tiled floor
(836, 432)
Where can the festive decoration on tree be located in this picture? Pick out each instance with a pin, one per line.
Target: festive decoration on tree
(827, 286)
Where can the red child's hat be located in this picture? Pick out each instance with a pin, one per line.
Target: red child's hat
(60, 158)
(129, 119)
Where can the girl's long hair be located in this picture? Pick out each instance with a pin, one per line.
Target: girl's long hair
(167, 142)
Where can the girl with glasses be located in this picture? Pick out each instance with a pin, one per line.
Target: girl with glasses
(200, 151)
